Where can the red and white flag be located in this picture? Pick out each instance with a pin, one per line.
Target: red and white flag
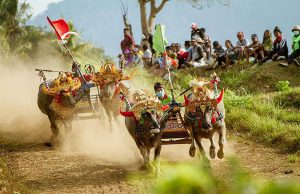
(61, 29)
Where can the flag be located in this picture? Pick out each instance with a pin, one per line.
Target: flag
(61, 28)
(159, 39)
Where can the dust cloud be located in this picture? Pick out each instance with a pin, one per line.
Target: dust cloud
(22, 121)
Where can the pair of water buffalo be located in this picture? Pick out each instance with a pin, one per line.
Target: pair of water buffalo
(203, 117)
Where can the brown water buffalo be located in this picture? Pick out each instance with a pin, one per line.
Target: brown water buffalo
(67, 102)
(205, 115)
(109, 96)
(141, 131)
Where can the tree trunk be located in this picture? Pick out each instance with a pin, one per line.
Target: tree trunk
(147, 25)
(143, 11)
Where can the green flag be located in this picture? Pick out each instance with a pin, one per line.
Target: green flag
(159, 39)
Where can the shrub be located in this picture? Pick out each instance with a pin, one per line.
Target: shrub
(283, 85)
(185, 178)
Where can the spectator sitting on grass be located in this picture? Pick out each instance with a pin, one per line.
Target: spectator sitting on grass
(280, 48)
(181, 56)
(231, 56)
(254, 50)
(295, 46)
(196, 56)
(240, 45)
(187, 45)
(267, 42)
(218, 55)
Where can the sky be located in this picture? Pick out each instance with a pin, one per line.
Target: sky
(100, 21)
(38, 6)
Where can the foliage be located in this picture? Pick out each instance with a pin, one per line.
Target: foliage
(290, 98)
(263, 121)
(283, 85)
(186, 178)
(12, 21)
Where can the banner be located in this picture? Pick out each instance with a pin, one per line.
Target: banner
(159, 39)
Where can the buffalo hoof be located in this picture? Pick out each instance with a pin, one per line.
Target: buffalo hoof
(143, 168)
(220, 154)
(192, 151)
(48, 144)
(212, 152)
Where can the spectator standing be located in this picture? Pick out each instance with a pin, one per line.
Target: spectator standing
(127, 42)
(207, 43)
(196, 32)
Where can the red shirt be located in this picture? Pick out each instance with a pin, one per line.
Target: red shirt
(127, 42)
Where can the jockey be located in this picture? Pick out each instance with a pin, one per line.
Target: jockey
(161, 95)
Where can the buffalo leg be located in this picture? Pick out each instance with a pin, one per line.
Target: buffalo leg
(55, 131)
(68, 128)
(201, 149)
(146, 156)
(212, 149)
(157, 150)
(222, 141)
(192, 150)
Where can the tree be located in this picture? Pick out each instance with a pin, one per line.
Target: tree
(13, 18)
(147, 22)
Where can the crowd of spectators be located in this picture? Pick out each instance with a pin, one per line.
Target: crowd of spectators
(201, 52)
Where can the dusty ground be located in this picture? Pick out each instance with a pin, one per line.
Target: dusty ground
(48, 170)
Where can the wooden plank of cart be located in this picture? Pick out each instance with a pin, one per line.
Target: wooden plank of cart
(175, 132)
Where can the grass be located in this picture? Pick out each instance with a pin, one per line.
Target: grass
(191, 178)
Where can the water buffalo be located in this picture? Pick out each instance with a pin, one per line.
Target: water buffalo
(109, 96)
(67, 102)
(205, 115)
(140, 128)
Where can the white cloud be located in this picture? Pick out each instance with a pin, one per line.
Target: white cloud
(38, 6)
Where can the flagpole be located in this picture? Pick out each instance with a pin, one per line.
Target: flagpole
(167, 65)
(69, 52)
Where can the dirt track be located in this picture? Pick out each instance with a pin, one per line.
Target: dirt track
(49, 170)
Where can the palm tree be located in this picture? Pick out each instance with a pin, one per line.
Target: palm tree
(13, 18)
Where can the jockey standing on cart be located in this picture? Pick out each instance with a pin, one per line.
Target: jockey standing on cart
(161, 95)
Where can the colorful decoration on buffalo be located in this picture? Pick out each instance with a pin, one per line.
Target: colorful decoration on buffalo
(202, 96)
(62, 85)
(142, 103)
(215, 82)
(108, 73)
